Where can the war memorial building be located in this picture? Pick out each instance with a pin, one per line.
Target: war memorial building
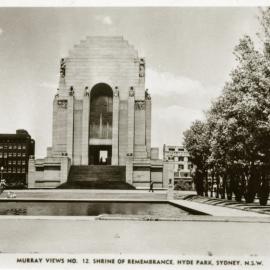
(101, 121)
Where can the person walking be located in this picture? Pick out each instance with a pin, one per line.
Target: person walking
(3, 185)
(151, 186)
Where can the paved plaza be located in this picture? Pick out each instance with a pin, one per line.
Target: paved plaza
(68, 235)
(197, 235)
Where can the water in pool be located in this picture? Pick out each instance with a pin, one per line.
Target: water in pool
(90, 209)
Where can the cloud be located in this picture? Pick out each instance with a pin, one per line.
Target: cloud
(165, 83)
(1, 31)
(48, 85)
(169, 89)
(104, 19)
(177, 101)
(169, 123)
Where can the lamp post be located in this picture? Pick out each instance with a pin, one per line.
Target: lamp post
(2, 169)
(1, 182)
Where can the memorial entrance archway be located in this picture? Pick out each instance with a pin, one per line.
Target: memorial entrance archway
(100, 125)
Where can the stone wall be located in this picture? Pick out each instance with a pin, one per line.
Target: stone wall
(49, 172)
(78, 114)
(59, 142)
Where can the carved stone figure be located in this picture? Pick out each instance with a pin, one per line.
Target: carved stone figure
(62, 103)
(141, 68)
(71, 91)
(57, 93)
(116, 92)
(63, 68)
(86, 91)
(139, 105)
(147, 95)
(131, 92)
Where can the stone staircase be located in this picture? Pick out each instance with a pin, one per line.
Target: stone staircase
(97, 177)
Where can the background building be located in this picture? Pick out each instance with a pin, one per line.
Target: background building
(182, 166)
(15, 150)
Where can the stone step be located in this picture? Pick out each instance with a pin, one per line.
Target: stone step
(104, 49)
(97, 185)
(97, 173)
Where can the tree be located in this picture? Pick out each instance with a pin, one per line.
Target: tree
(239, 121)
(234, 141)
(196, 142)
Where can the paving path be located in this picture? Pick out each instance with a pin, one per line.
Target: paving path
(229, 204)
(216, 210)
(139, 237)
(89, 194)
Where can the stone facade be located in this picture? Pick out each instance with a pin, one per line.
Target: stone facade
(101, 115)
(182, 167)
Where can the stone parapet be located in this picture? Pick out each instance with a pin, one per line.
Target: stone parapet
(154, 153)
(49, 172)
(140, 151)
(129, 170)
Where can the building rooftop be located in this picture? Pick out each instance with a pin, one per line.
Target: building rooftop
(20, 133)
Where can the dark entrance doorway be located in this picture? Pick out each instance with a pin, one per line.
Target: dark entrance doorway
(100, 125)
(100, 154)
(101, 103)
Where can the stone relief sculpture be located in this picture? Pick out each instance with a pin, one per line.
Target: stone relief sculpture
(139, 105)
(147, 95)
(71, 91)
(63, 68)
(141, 68)
(131, 92)
(86, 91)
(57, 93)
(62, 103)
(116, 92)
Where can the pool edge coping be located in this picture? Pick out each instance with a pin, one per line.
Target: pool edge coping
(207, 216)
(218, 211)
(112, 218)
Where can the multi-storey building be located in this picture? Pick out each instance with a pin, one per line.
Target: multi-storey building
(182, 166)
(15, 150)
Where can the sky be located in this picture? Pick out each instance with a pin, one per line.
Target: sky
(188, 52)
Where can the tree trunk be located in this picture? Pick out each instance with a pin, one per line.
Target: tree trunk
(252, 186)
(218, 187)
(224, 180)
(206, 184)
(237, 188)
(212, 183)
(198, 180)
(263, 193)
(229, 186)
